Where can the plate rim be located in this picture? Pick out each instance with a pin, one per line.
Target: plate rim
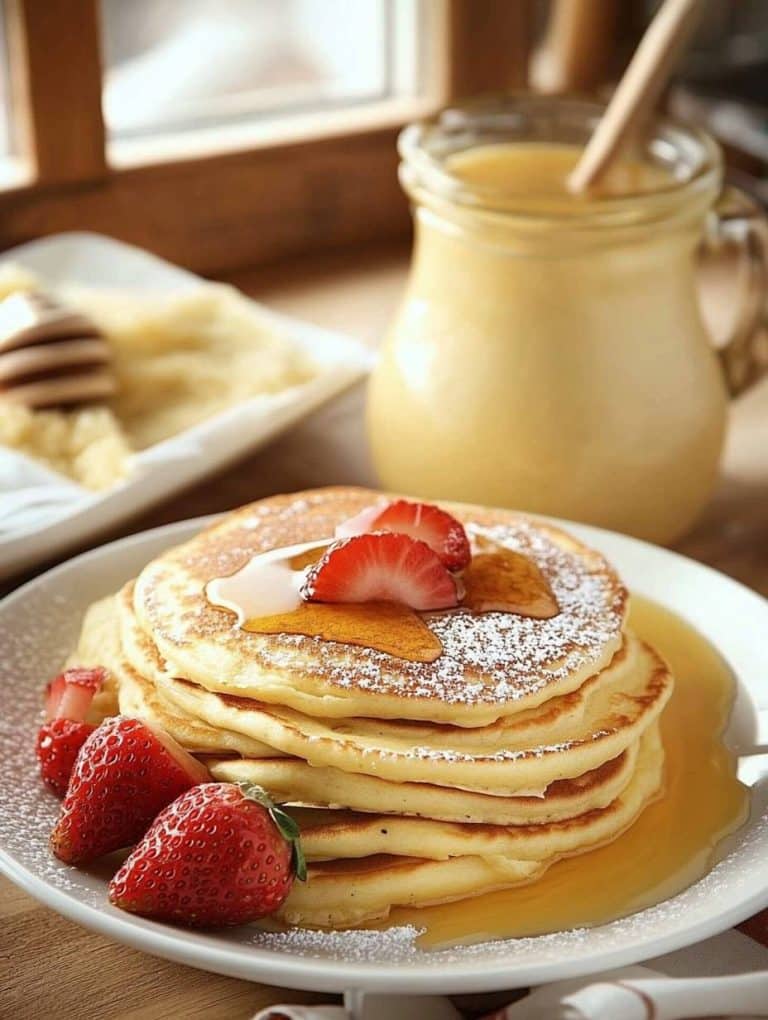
(297, 971)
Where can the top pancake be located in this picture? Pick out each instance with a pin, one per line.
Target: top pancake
(493, 664)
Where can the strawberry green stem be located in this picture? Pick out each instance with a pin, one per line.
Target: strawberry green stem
(286, 825)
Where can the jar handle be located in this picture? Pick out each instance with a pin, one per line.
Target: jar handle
(739, 221)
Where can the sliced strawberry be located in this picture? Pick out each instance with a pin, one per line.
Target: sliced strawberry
(69, 696)
(58, 744)
(425, 521)
(221, 854)
(123, 776)
(361, 523)
(68, 699)
(381, 567)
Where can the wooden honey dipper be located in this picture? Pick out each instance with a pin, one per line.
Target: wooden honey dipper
(51, 355)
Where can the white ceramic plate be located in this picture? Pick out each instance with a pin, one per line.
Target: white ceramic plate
(43, 513)
(38, 625)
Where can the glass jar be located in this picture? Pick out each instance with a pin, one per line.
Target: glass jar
(550, 355)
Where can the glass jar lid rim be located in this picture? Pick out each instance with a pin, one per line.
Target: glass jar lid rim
(431, 173)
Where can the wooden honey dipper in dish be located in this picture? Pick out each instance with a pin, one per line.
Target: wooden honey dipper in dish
(51, 355)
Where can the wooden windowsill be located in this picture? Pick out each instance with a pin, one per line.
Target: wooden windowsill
(264, 133)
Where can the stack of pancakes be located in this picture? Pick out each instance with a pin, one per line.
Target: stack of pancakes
(414, 783)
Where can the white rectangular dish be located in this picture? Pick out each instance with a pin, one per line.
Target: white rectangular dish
(42, 513)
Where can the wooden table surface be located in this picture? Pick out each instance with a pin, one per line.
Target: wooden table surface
(50, 967)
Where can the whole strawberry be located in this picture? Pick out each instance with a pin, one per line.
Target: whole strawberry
(125, 773)
(68, 700)
(221, 854)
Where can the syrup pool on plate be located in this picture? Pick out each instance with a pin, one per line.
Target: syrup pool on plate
(671, 845)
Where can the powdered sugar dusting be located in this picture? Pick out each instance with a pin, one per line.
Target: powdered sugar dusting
(31, 655)
(396, 944)
(489, 658)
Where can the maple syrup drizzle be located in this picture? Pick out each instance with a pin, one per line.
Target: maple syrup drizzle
(508, 582)
(386, 626)
(265, 596)
(268, 584)
(669, 847)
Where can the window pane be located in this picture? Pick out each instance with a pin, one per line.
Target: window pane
(182, 65)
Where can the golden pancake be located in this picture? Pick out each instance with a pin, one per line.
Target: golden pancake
(339, 894)
(378, 863)
(582, 730)
(129, 692)
(627, 698)
(493, 664)
(327, 835)
(138, 697)
(291, 780)
(294, 778)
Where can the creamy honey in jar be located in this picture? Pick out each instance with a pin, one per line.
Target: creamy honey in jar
(550, 352)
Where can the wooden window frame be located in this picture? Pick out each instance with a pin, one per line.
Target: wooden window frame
(332, 182)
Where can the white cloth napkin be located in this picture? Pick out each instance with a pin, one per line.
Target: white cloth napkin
(679, 985)
(32, 496)
(639, 993)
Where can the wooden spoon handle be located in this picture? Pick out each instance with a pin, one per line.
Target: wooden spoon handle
(638, 90)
